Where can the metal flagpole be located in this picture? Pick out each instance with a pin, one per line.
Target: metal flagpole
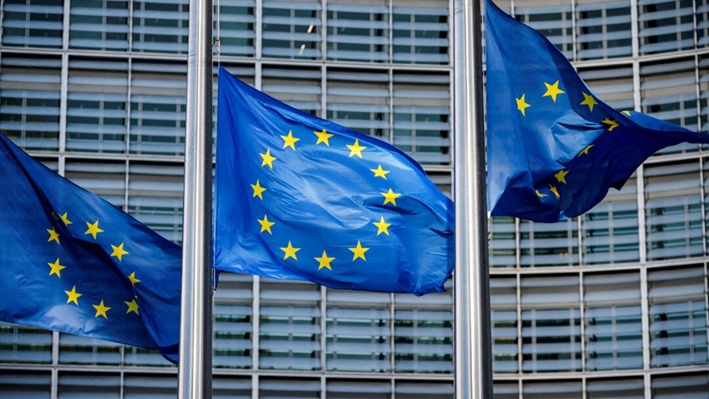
(195, 365)
(473, 349)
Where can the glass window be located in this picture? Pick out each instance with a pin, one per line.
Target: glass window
(567, 389)
(704, 93)
(680, 386)
(99, 25)
(665, 25)
(422, 125)
(551, 325)
(20, 344)
(420, 33)
(233, 329)
(613, 85)
(158, 108)
(358, 31)
(296, 388)
(613, 321)
(292, 29)
(503, 302)
(669, 92)
(358, 389)
(673, 210)
(96, 105)
(26, 384)
(442, 180)
(29, 101)
(678, 324)
(297, 87)
(610, 229)
(603, 29)
(104, 385)
(502, 243)
(140, 386)
(107, 179)
(236, 27)
(74, 349)
(423, 390)
(155, 194)
(289, 338)
(702, 16)
(360, 100)
(553, 20)
(423, 332)
(505, 390)
(358, 331)
(549, 244)
(160, 26)
(627, 388)
(231, 387)
(32, 23)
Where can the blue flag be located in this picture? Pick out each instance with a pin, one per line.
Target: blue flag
(301, 198)
(554, 148)
(72, 262)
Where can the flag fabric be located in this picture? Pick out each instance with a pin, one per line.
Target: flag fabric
(301, 198)
(72, 262)
(554, 148)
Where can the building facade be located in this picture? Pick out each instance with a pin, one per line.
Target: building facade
(612, 304)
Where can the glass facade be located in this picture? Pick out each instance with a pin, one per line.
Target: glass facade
(612, 304)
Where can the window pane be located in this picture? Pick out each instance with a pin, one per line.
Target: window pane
(32, 23)
(155, 194)
(665, 25)
(505, 338)
(20, 344)
(96, 106)
(26, 384)
(420, 34)
(553, 20)
(100, 25)
(236, 27)
(233, 317)
(29, 101)
(360, 101)
(292, 29)
(358, 31)
(160, 26)
(603, 29)
(549, 244)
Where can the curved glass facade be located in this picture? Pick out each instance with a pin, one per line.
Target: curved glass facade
(612, 304)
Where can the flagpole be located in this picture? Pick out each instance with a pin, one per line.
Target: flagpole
(195, 364)
(473, 348)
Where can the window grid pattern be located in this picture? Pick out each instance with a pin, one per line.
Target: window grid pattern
(420, 34)
(603, 29)
(32, 23)
(665, 25)
(360, 101)
(553, 20)
(236, 27)
(292, 29)
(160, 26)
(358, 32)
(99, 25)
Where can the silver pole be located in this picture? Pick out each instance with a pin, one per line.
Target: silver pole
(473, 349)
(195, 365)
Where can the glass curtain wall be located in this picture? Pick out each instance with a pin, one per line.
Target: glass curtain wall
(610, 304)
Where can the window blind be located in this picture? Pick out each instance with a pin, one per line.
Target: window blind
(99, 25)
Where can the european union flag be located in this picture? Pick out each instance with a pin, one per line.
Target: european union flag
(554, 148)
(298, 197)
(72, 262)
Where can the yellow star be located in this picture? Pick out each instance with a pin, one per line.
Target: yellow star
(132, 307)
(521, 104)
(585, 150)
(390, 197)
(53, 235)
(93, 229)
(289, 140)
(132, 279)
(553, 90)
(359, 251)
(73, 296)
(65, 219)
(290, 251)
(379, 172)
(554, 190)
(561, 176)
(258, 190)
(323, 137)
(56, 268)
(324, 261)
(589, 100)
(382, 226)
(265, 224)
(101, 310)
(118, 251)
(627, 112)
(540, 195)
(356, 149)
(267, 158)
(611, 124)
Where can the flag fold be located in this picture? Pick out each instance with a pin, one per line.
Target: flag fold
(554, 148)
(72, 262)
(301, 198)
